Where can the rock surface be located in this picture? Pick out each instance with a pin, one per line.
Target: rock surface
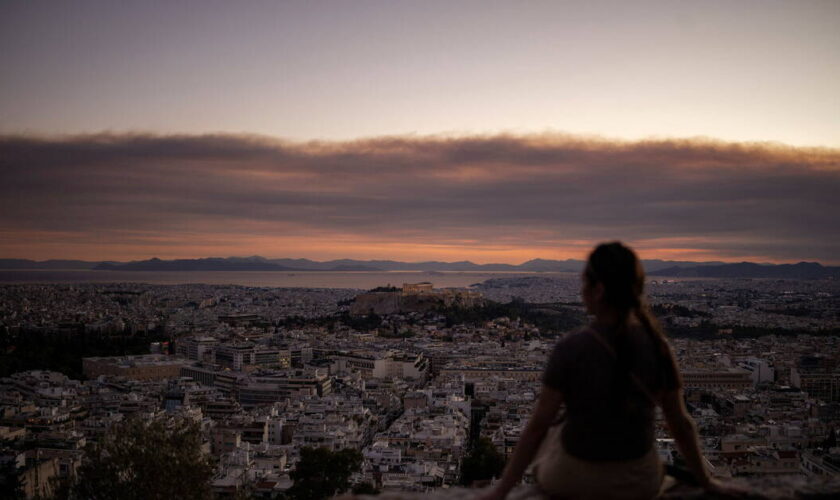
(384, 303)
(758, 488)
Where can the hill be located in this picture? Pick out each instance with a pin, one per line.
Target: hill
(46, 264)
(682, 269)
(802, 271)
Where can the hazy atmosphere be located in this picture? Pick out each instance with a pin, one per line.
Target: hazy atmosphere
(499, 198)
(488, 131)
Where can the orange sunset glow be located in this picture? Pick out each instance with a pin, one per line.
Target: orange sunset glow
(494, 132)
(503, 199)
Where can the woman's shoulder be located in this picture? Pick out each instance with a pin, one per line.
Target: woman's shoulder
(578, 339)
(565, 358)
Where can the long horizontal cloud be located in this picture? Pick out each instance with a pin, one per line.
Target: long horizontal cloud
(725, 199)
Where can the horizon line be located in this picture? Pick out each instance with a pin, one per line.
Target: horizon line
(714, 261)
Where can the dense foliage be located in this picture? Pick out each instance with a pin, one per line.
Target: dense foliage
(483, 462)
(364, 489)
(161, 459)
(10, 487)
(677, 310)
(322, 473)
(63, 351)
(708, 330)
(551, 319)
(359, 323)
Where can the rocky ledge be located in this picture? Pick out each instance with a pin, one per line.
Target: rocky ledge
(755, 488)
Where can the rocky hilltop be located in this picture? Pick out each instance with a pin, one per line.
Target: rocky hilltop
(403, 301)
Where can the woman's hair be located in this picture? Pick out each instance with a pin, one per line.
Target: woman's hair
(617, 268)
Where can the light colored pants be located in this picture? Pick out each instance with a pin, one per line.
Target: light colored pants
(561, 475)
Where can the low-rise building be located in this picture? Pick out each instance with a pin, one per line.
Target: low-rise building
(141, 367)
(730, 378)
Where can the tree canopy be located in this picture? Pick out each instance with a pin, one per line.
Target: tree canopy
(10, 487)
(135, 459)
(484, 462)
(51, 350)
(322, 473)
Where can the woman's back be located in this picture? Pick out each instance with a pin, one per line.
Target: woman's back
(609, 417)
(610, 378)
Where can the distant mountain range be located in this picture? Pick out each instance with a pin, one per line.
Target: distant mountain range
(802, 270)
(684, 269)
(257, 263)
(218, 264)
(46, 264)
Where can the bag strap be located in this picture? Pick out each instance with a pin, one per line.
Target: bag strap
(611, 350)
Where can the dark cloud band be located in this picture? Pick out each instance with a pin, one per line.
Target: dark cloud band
(733, 199)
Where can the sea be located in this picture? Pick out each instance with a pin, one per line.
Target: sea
(277, 279)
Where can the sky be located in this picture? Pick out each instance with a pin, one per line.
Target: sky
(469, 130)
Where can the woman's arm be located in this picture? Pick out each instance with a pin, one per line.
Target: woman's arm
(685, 434)
(544, 414)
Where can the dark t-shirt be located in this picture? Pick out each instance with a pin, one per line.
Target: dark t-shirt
(608, 417)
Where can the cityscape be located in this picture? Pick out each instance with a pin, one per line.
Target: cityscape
(411, 376)
(419, 250)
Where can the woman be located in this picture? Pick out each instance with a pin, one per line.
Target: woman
(611, 376)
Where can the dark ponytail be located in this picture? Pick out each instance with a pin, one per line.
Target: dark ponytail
(620, 271)
(667, 364)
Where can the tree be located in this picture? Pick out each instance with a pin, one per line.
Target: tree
(322, 473)
(146, 460)
(484, 462)
(831, 440)
(364, 489)
(10, 486)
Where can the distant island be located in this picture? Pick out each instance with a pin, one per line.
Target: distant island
(664, 268)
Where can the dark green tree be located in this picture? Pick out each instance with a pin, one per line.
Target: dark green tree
(146, 460)
(364, 489)
(831, 440)
(10, 482)
(322, 473)
(483, 462)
